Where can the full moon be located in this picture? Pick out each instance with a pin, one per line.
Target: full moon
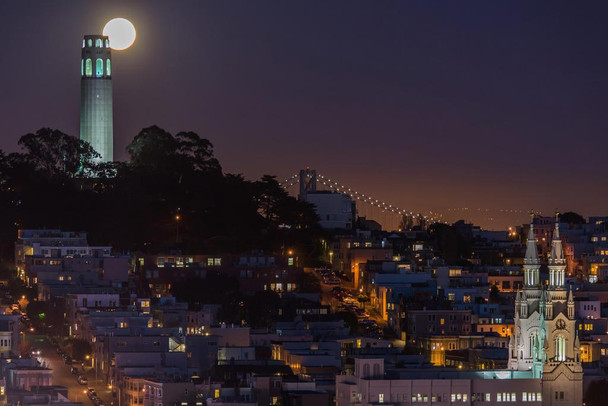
(121, 33)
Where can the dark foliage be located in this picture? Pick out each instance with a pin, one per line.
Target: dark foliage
(597, 393)
(171, 194)
(449, 243)
(571, 217)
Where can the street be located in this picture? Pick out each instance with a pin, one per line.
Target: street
(63, 377)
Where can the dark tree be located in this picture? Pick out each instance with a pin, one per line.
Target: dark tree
(450, 245)
(597, 393)
(56, 154)
(571, 217)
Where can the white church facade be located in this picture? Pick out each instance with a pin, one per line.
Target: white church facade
(544, 366)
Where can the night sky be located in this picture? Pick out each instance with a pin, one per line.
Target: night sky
(427, 105)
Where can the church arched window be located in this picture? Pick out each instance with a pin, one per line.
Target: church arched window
(532, 345)
(108, 67)
(560, 348)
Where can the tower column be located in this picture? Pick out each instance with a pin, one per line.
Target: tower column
(96, 121)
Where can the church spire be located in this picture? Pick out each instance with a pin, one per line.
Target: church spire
(557, 252)
(531, 250)
(531, 260)
(557, 261)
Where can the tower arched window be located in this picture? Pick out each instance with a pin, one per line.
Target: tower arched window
(532, 345)
(560, 348)
(89, 42)
(107, 43)
(99, 67)
(88, 67)
(82, 67)
(108, 67)
(83, 43)
(98, 43)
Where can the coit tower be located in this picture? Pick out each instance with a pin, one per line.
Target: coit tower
(96, 125)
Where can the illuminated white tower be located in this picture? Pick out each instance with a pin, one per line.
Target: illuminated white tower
(545, 341)
(525, 345)
(562, 370)
(96, 124)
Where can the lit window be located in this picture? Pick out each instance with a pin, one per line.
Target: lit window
(98, 43)
(107, 44)
(108, 68)
(290, 261)
(499, 397)
(209, 261)
(99, 67)
(88, 69)
(217, 261)
(451, 297)
(524, 396)
(381, 398)
(89, 43)
(560, 348)
(82, 67)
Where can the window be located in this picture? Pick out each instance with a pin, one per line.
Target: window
(381, 398)
(81, 74)
(290, 261)
(108, 67)
(217, 261)
(88, 69)
(107, 44)
(99, 67)
(560, 348)
(98, 43)
(89, 43)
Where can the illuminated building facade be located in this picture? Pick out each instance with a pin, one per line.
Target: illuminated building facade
(544, 366)
(545, 341)
(96, 122)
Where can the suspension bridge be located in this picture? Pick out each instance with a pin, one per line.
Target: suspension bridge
(390, 216)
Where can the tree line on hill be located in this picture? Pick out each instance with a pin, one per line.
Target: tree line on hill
(170, 194)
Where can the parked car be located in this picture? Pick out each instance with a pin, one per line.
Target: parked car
(82, 380)
(74, 371)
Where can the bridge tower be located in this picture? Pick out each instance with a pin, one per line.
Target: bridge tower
(308, 182)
